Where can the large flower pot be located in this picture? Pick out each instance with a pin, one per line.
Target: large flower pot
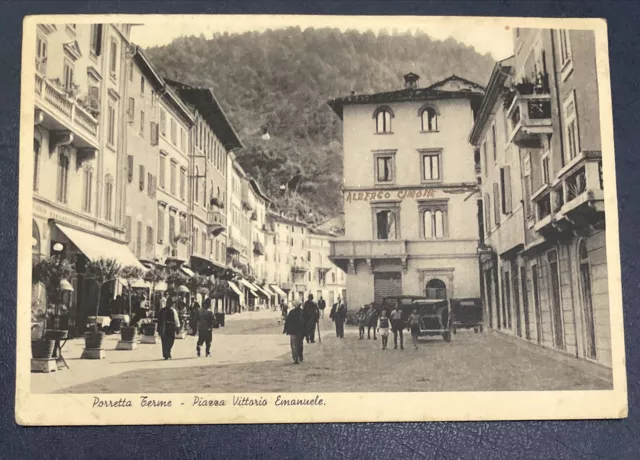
(128, 333)
(42, 349)
(93, 340)
(149, 329)
(53, 334)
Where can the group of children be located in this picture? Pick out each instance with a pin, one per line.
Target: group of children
(383, 323)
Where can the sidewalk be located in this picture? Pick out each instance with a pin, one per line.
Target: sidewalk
(225, 349)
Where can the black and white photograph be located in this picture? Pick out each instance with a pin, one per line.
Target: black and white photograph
(315, 218)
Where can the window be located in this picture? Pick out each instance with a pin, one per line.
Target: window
(431, 166)
(150, 185)
(204, 243)
(111, 127)
(141, 172)
(113, 58)
(108, 197)
(384, 168)
(487, 214)
(173, 131)
(505, 183)
(528, 209)
(130, 168)
(160, 225)
(183, 183)
(494, 142)
(68, 75)
(196, 185)
(41, 55)
(174, 178)
(142, 123)
(153, 137)
(139, 239)
(182, 139)
(556, 307)
(572, 139)
(172, 227)
(36, 164)
(587, 304)
(386, 225)
(496, 204)
(195, 239)
(436, 289)
(484, 158)
(163, 122)
(131, 110)
(429, 119)
(149, 244)
(434, 219)
(565, 47)
(63, 175)
(162, 170)
(142, 86)
(535, 287)
(545, 168)
(383, 118)
(86, 191)
(153, 98)
(96, 39)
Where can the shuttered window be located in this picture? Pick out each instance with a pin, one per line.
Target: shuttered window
(527, 187)
(386, 285)
(160, 225)
(127, 228)
(487, 213)
(130, 168)
(154, 133)
(505, 182)
(496, 203)
(142, 175)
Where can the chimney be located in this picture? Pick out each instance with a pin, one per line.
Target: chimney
(411, 80)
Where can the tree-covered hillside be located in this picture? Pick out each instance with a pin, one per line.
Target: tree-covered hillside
(283, 79)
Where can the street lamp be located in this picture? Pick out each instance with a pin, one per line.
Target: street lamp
(58, 247)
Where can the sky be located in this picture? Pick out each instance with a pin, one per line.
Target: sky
(486, 35)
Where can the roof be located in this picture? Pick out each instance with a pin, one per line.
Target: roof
(501, 72)
(444, 89)
(257, 191)
(147, 68)
(285, 220)
(206, 103)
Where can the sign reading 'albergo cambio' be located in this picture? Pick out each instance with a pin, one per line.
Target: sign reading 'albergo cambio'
(389, 195)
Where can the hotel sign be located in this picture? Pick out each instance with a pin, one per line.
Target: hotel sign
(390, 195)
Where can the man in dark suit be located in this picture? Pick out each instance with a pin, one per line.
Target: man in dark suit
(311, 315)
(294, 326)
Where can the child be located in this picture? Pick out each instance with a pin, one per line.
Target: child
(383, 328)
(362, 321)
(414, 326)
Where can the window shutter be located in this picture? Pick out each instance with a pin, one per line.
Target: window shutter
(496, 203)
(154, 133)
(99, 40)
(507, 189)
(131, 111)
(141, 177)
(527, 197)
(130, 168)
(94, 97)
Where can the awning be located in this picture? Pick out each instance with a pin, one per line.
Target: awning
(279, 291)
(235, 288)
(96, 247)
(266, 289)
(187, 271)
(161, 286)
(247, 284)
(136, 283)
(262, 291)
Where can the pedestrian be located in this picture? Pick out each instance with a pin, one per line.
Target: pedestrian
(205, 328)
(414, 326)
(339, 318)
(168, 324)
(383, 328)
(372, 321)
(362, 321)
(194, 314)
(311, 315)
(321, 306)
(294, 327)
(397, 326)
(284, 309)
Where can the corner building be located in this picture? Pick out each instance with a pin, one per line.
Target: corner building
(409, 192)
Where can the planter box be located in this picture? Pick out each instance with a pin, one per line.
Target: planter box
(149, 329)
(128, 334)
(42, 349)
(93, 340)
(56, 334)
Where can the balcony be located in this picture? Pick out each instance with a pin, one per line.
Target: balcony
(216, 222)
(300, 266)
(382, 249)
(529, 116)
(63, 112)
(258, 248)
(581, 189)
(216, 202)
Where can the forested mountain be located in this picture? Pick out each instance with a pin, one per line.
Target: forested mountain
(283, 79)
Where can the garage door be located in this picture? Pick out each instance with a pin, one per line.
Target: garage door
(386, 285)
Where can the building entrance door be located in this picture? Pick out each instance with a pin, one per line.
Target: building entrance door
(386, 285)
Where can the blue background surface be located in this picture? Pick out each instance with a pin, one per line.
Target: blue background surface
(619, 439)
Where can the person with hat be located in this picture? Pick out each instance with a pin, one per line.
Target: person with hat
(168, 324)
(311, 315)
(294, 327)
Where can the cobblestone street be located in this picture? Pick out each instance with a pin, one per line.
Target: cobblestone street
(470, 362)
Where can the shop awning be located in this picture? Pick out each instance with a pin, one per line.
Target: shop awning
(235, 288)
(279, 291)
(266, 289)
(161, 286)
(262, 291)
(187, 271)
(96, 247)
(247, 284)
(136, 283)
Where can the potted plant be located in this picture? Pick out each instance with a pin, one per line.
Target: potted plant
(153, 276)
(525, 87)
(41, 346)
(129, 274)
(101, 271)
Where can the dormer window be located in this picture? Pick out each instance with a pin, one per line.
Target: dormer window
(383, 116)
(429, 119)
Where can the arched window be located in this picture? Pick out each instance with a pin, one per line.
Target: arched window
(436, 289)
(383, 116)
(433, 223)
(63, 175)
(428, 224)
(429, 119)
(587, 304)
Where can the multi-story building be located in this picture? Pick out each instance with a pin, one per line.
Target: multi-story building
(78, 211)
(326, 279)
(143, 88)
(544, 262)
(173, 236)
(259, 202)
(409, 174)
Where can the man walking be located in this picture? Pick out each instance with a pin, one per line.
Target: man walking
(294, 327)
(340, 317)
(321, 306)
(168, 323)
(397, 326)
(205, 328)
(311, 314)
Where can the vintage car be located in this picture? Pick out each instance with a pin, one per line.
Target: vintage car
(466, 314)
(435, 315)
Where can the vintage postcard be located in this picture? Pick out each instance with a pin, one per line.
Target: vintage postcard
(258, 219)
